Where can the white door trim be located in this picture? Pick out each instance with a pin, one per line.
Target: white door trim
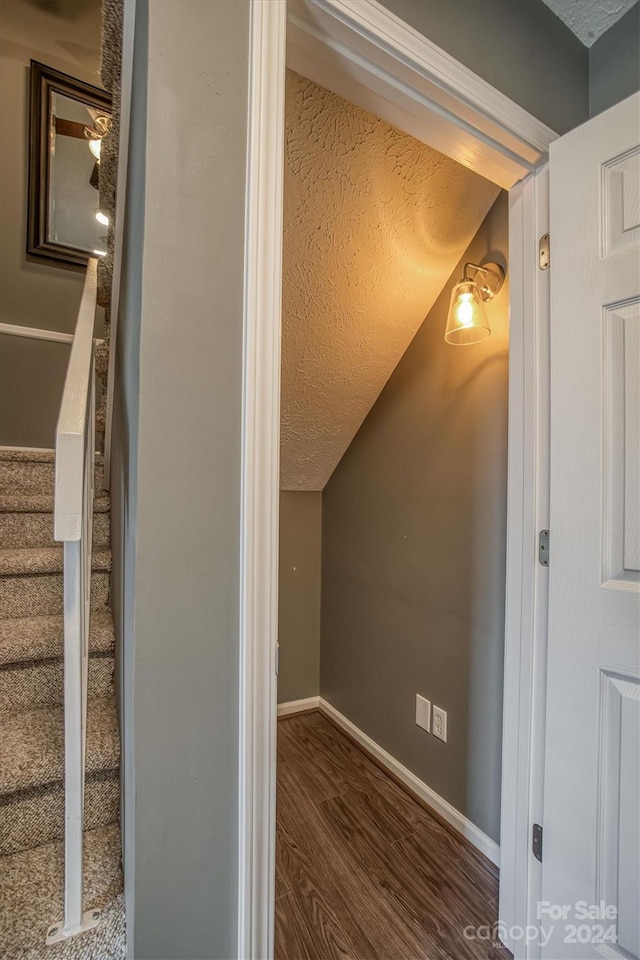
(260, 479)
(417, 87)
(527, 581)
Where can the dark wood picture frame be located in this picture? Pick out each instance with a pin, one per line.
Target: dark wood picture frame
(44, 82)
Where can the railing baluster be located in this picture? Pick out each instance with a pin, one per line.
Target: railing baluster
(73, 725)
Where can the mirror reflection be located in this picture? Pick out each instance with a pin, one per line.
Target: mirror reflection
(68, 121)
(74, 218)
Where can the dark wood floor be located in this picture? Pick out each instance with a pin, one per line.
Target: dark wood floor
(362, 869)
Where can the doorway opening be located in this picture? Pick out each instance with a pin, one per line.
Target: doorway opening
(393, 509)
(372, 59)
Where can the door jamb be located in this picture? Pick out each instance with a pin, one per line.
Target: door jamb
(527, 581)
(410, 82)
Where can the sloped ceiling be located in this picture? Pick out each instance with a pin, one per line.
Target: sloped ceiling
(589, 19)
(374, 224)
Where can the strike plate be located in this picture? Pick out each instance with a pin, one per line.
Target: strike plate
(543, 548)
(536, 841)
(56, 932)
(544, 251)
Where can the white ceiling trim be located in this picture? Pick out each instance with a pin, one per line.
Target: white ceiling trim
(438, 101)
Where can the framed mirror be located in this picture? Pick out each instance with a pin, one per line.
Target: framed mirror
(68, 120)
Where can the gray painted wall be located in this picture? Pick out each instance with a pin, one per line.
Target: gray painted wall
(299, 600)
(32, 376)
(179, 500)
(413, 556)
(33, 292)
(614, 63)
(519, 46)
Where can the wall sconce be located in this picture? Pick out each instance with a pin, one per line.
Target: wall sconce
(94, 134)
(467, 320)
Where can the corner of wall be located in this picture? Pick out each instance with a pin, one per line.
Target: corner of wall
(614, 63)
(124, 448)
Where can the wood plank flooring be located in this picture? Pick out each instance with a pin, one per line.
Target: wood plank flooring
(362, 869)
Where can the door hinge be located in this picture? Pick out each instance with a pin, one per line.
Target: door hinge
(543, 548)
(536, 841)
(544, 251)
(277, 657)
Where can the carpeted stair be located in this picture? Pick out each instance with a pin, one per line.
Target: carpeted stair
(111, 76)
(31, 726)
(31, 668)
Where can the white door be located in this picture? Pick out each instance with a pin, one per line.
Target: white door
(591, 838)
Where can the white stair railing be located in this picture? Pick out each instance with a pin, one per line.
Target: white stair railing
(73, 521)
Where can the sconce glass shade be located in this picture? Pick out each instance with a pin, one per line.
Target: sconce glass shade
(95, 147)
(467, 321)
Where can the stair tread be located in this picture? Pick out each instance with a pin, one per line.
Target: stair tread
(39, 684)
(32, 745)
(33, 891)
(25, 473)
(27, 454)
(26, 501)
(34, 817)
(35, 455)
(18, 561)
(24, 639)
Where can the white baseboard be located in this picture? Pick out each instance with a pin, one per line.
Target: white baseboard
(33, 333)
(458, 821)
(298, 706)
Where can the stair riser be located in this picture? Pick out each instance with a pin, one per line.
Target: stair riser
(35, 476)
(42, 684)
(36, 530)
(42, 594)
(36, 817)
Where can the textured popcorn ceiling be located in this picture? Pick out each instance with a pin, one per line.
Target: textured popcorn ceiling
(374, 224)
(589, 19)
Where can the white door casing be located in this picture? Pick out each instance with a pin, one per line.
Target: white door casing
(591, 847)
(367, 54)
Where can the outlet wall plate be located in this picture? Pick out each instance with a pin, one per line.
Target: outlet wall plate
(439, 723)
(423, 713)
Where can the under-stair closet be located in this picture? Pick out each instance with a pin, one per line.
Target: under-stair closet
(392, 541)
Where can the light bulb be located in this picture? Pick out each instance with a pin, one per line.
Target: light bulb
(95, 146)
(102, 218)
(463, 310)
(467, 320)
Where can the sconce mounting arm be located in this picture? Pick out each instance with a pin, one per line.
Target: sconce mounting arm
(489, 278)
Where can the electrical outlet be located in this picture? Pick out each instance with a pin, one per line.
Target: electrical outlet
(440, 723)
(423, 713)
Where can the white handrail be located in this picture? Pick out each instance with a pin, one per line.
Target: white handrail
(73, 522)
(72, 420)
